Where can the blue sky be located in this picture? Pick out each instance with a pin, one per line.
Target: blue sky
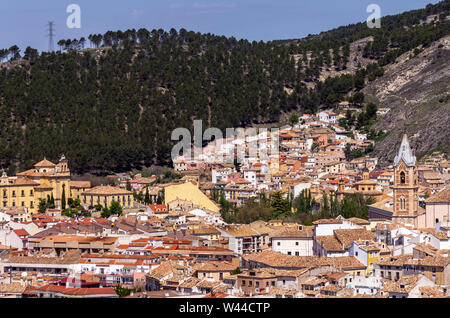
(23, 22)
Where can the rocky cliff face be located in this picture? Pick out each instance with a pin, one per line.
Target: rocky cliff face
(416, 88)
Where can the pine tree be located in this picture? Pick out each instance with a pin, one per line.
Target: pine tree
(279, 205)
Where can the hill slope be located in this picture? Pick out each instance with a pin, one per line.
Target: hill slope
(114, 106)
(416, 90)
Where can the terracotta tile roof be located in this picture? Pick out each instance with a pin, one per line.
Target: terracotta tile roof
(440, 197)
(190, 283)
(79, 239)
(332, 288)
(107, 190)
(368, 245)
(13, 288)
(21, 232)
(306, 232)
(328, 221)
(69, 258)
(437, 261)
(258, 273)
(164, 269)
(78, 291)
(280, 291)
(45, 164)
(358, 221)
(330, 243)
(282, 261)
(23, 182)
(240, 230)
(404, 285)
(214, 266)
(347, 237)
(80, 184)
(394, 260)
(216, 295)
(431, 292)
(223, 288)
(204, 231)
(208, 284)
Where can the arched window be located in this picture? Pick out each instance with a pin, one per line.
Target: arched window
(402, 203)
(402, 177)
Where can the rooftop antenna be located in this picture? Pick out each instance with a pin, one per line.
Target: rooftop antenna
(51, 34)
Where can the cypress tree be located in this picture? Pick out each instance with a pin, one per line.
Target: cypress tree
(147, 197)
(63, 199)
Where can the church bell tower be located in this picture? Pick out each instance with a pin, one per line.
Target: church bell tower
(405, 185)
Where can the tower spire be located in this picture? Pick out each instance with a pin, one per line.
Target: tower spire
(405, 153)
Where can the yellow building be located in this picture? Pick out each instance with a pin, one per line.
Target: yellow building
(189, 192)
(45, 180)
(17, 192)
(104, 195)
(368, 253)
(78, 187)
(366, 186)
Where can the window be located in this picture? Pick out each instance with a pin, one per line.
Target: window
(296, 243)
(22, 193)
(402, 177)
(402, 203)
(278, 243)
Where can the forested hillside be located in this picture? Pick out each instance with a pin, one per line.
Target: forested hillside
(110, 102)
